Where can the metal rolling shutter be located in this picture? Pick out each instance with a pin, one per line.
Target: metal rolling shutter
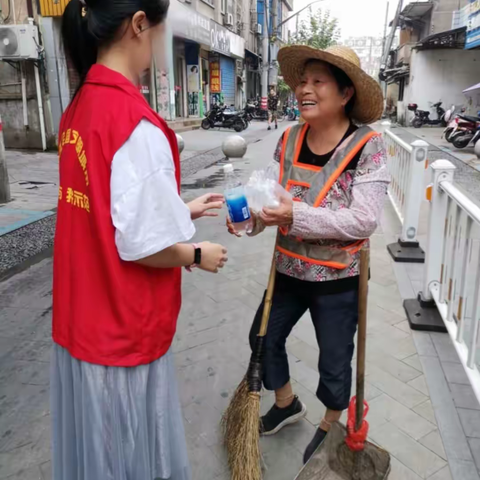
(227, 67)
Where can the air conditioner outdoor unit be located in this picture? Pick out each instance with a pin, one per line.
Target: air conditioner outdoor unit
(229, 19)
(259, 28)
(18, 42)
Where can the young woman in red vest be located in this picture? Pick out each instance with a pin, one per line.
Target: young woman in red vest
(119, 249)
(335, 168)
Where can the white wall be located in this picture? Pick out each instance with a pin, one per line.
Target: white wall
(441, 75)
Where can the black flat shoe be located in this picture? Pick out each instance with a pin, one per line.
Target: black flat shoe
(277, 418)
(317, 440)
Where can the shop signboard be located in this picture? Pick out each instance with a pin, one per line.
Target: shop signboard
(219, 38)
(215, 77)
(187, 23)
(473, 25)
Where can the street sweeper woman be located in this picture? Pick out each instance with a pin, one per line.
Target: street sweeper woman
(334, 167)
(120, 244)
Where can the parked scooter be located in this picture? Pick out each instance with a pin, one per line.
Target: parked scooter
(220, 117)
(290, 111)
(422, 117)
(451, 119)
(462, 124)
(254, 110)
(465, 136)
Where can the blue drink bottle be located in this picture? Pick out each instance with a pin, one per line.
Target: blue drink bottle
(236, 200)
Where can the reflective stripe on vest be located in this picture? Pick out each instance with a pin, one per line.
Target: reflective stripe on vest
(319, 181)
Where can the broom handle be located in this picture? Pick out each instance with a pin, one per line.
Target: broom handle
(267, 306)
(362, 335)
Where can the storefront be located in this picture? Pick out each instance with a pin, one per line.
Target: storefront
(226, 66)
(204, 63)
(252, 67)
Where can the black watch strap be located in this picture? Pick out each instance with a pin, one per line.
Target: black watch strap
(198, 256)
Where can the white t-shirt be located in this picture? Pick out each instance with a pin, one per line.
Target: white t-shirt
(147, 212)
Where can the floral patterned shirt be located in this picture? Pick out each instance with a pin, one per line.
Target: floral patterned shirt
(350, 211)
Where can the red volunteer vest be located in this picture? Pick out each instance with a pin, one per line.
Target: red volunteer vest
(105, 311)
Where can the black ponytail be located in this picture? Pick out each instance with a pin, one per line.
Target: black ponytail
(86, 27)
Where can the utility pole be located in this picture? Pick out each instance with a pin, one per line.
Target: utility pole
(385, 28)
(265, 54)
(4, 183)
(266, 41)
(273, 70)
(389, 40)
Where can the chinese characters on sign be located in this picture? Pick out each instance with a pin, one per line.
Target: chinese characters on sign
(215, 78)
(473, 26)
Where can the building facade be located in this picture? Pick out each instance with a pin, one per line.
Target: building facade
(24, 90)
(213, 50)
(433, 62)
(369, 50)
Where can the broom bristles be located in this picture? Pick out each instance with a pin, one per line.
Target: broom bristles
(241, 427)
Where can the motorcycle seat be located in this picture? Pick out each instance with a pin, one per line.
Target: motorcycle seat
(469, 118)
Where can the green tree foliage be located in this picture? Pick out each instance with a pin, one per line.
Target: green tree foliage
(319, 30)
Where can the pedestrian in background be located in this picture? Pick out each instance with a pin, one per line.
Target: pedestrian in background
(335, 168)
(272, 108)
(119, 249)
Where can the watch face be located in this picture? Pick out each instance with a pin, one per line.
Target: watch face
(198, 256)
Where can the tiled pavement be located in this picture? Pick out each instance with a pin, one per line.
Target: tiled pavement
(456, 407)
(212, 353)
(34, 189)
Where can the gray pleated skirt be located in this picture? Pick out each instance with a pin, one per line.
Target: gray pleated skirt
(112, 423)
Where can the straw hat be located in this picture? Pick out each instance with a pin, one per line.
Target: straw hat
(368, 94)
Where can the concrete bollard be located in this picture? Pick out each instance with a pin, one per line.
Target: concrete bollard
(181, 143)
(4, 183)
(234, 146)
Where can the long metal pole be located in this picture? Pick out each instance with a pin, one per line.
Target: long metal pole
(385, 29)
(298, 13)
(4, 183)
(40, 107)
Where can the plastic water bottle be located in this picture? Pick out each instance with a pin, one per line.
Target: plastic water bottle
(236, 200)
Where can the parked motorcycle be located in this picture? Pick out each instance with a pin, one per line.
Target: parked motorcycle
(451, 119)
(254, 110)
(220, 117)
(290, 111)
(461, 124)
(422, 117)
(471, 134)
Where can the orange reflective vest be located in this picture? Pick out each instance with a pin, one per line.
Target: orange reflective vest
(318, 181)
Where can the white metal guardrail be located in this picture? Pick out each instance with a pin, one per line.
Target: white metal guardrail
(452, 266)
(406, 164)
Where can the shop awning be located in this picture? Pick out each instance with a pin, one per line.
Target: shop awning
(471, 89)
(252, 54)
(414, 11)
(450, 39)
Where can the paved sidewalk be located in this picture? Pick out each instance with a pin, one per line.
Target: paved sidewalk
(34, 176)
(27, 223)
(212, 353)
(433, 135)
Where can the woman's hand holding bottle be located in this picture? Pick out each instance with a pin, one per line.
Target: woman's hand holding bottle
(233, 231)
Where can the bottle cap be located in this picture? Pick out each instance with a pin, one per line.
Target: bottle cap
(228, 168)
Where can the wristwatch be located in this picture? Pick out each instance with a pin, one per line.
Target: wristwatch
(197, 259)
